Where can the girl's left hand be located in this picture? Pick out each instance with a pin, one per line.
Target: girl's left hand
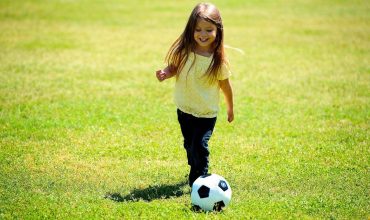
(230, 116)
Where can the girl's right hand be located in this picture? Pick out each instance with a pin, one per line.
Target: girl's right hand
(161, 75)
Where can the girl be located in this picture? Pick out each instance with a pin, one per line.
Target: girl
(198, 61)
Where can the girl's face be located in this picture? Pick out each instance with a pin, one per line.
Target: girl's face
(204, 35)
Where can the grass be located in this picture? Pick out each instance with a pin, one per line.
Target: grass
(86, 131)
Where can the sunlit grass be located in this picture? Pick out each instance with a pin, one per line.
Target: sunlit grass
(86, 131)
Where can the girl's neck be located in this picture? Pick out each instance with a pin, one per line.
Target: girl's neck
(202, 52)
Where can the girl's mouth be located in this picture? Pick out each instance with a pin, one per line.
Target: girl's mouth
(203, 40)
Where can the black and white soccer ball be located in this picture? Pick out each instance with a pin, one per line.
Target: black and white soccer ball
(210, 192)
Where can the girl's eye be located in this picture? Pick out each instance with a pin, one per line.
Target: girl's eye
(197, 30)
(209, 31)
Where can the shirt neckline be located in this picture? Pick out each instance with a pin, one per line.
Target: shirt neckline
(202, 56)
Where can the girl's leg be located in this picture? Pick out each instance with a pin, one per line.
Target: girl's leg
(186, 122)
(196, 133)
(187, 130)
(203, 129)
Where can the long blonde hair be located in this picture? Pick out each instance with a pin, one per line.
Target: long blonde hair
(179, 52)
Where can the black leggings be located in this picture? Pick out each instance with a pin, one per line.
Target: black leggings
(196, 132)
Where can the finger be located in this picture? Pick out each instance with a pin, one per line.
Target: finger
(230, 118)
(157, 73)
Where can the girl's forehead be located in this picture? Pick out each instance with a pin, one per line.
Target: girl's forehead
(203, 23)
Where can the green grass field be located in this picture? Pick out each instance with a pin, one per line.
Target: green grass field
(87, 131)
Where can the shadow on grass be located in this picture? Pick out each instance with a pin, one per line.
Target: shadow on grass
(149, 194)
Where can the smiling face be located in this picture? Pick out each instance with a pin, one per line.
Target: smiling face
(204, 35)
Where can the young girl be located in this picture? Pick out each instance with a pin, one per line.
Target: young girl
(198, 61)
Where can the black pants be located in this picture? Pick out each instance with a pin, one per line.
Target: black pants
(196, 133)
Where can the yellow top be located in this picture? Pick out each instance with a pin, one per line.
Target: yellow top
(194, 94)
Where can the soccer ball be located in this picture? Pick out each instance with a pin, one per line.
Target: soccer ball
(210, 192)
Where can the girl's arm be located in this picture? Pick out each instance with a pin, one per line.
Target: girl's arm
(164, 74)
(228, 93)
